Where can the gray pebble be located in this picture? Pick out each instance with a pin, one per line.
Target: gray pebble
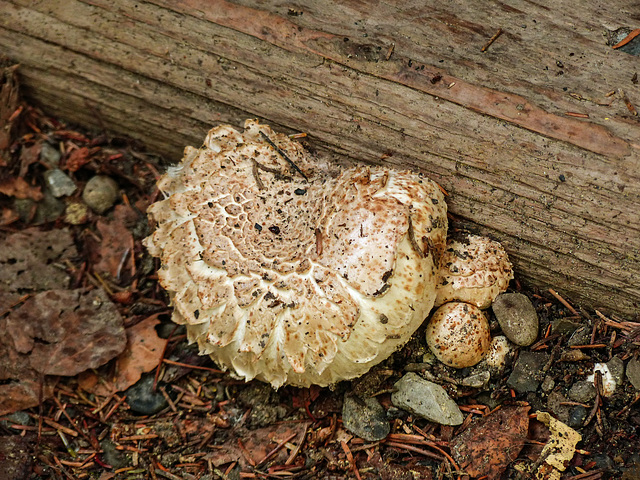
(50, 155)
(365, 417)
(564, 326)
(59, 183)
(477, 380)
(112, 456)
(100, 193)
(143, 400)
(426, 399)
(517, 317)
(527, 372)
(633, 372)
(616, 367)
(556, 404)
(582, 391)
(582, 336)
(577, 416)
(548, 383)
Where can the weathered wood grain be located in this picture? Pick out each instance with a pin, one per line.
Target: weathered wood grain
(404, 83)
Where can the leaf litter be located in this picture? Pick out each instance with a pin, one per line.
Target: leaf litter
(85, 322)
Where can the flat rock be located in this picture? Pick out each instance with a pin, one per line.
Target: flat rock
(633, 372)
(59, 183)
(426, 399)
(517, 317)
(582, 392)
(527, 372)
(365, 417)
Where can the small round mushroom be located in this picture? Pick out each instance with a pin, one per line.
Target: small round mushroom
(475, 271)
(289, 274)
(458, 334)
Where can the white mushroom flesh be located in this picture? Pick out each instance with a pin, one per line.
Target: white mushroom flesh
(473, 271)
(458, 334)
(293, 280)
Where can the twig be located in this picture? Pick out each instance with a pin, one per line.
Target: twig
(195, 367)
(283, 154)
(563, 302)
(491, 40)
(633, 34)
(350, 458)
(276, 449)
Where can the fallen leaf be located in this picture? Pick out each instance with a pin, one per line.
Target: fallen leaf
(77, 159)
(142, 354)
(560, 448)
(32, 260)
(8, 216)
(29, 156)
(116, 248)
(17, 187)
(502, 433)
(65, 332)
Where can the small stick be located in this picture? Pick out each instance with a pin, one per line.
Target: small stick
(563, 302)
(350, 459)
(195, 367)
(633, 34)
(254, 170)
(575, 114)
(627, 102)
(283, 155)
(276, 449)
(492, 39)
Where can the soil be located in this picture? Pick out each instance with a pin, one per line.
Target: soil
(158, 410)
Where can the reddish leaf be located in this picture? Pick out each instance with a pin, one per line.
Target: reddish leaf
(17, 187)
(502, 433)
(116, 248)
(142, 354)
(77, 159)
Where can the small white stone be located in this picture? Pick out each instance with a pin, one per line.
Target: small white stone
(608, 382)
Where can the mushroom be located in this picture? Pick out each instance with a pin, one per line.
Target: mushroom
(458, 334)
(472, 272)
(289, 274)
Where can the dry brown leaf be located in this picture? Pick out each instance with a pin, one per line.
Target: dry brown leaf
(502, 433)
(142, 354)
(8, 216)
(32, 260)
(29, 156)
(17, 187)
(65, 332)
(116, 248)
(77, 159)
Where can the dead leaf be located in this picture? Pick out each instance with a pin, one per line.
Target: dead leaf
(502, 433)
(32, 260)
(65, 332)
(142, 354)
(29, 156)
(77, 159)
(17, 187)
(8, 216)
(560, 448)
(116, 248)
(257, 443)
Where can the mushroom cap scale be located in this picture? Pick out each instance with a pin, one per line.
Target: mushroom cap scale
(294, 275)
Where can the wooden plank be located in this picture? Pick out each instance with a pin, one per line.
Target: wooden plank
(405, 84)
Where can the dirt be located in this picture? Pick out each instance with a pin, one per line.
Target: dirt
(212, 426)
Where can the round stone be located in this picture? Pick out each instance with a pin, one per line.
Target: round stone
(517, 317)
(100, 193)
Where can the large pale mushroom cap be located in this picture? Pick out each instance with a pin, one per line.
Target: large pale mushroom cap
(288, 279)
